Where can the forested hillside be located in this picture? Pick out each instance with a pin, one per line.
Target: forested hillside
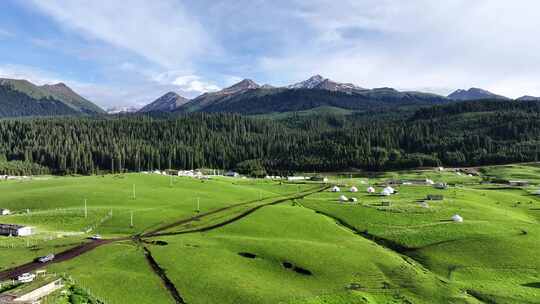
(472, 133)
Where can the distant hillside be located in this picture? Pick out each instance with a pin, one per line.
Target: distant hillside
(22, 98)
(474, 94)
(65, 94)
(528, 98)
(467, 133)
(477, 106)
(206, 100)
(166, 103)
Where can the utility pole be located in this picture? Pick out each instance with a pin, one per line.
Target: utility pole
(170, 181)
(131, 223)
(198, 205)
(134, 197)
(85, 209)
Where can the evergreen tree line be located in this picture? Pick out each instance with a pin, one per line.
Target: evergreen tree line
(299, 143)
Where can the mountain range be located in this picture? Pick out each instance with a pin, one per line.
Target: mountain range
(22, 98)
(248, 97)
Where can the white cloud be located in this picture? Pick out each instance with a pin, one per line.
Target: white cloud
(6, 34)
(192, 46)
(161, 31)
(193, 83)
(415, 44)
(34, 75)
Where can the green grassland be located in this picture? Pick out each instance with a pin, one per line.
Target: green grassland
(57, 205)
(406, 250)
(527, 172)
(117, 273)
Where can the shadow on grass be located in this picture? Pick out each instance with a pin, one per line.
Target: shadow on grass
(532, 285)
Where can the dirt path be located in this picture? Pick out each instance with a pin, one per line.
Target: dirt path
(59, 257)
(239, 216)
(163, 276)
(194, 218)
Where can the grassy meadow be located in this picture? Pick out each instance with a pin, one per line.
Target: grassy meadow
(402, 248)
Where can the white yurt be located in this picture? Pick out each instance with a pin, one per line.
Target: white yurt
(336, 189)
(343, 198)
(389, 189)
(353, 189)
(429, 181)
(457, 218)
(370, 190)
(385, 192)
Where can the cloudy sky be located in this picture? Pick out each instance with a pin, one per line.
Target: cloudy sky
(129, 52)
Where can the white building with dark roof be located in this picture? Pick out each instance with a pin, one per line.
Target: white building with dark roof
(15, 230)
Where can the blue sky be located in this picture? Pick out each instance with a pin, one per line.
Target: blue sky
(132, 51)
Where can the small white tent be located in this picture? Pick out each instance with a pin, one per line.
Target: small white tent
(343, 198)
(389, 189)
(353, 189)
(386, 192)
(457, 218)
(353, 200)
(370, 190)
(336, 189)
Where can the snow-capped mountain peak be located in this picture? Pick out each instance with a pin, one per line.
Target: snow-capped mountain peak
(310, 83)
(321, 83)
